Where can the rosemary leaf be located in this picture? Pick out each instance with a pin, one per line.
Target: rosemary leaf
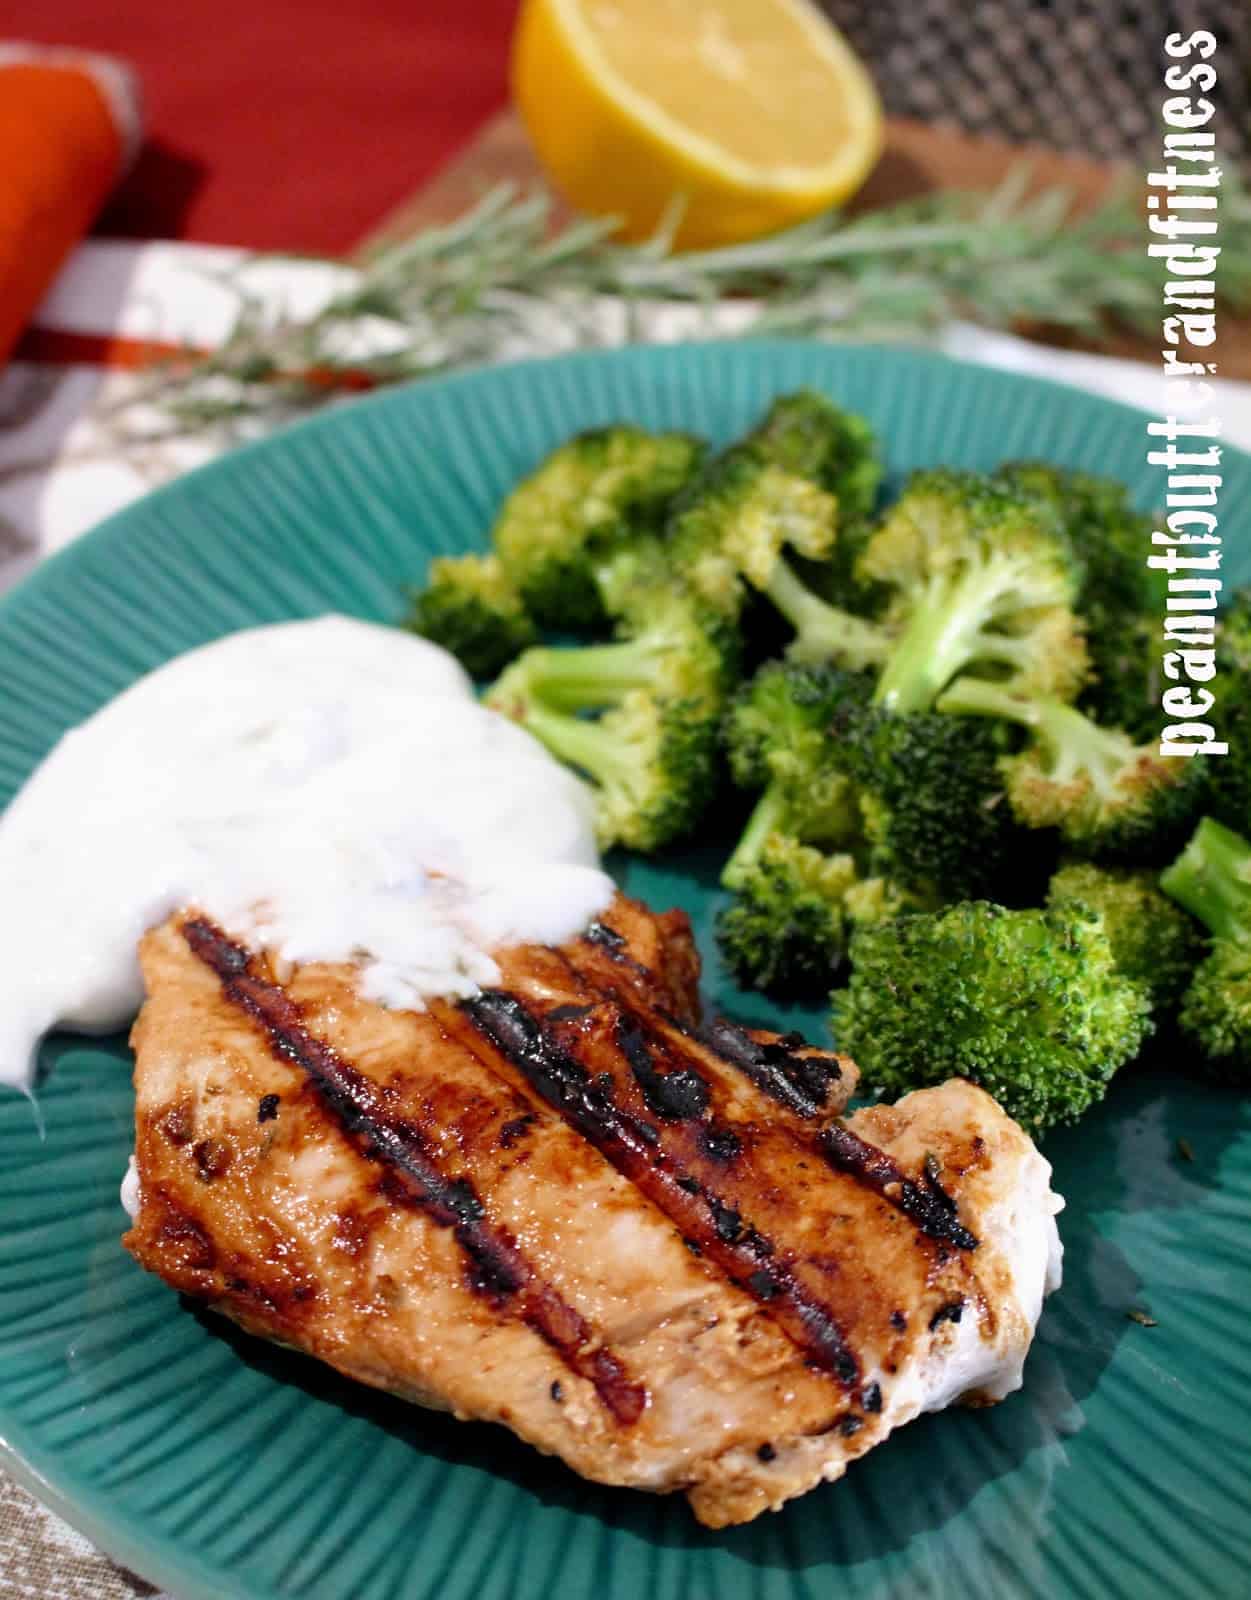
(499, 280)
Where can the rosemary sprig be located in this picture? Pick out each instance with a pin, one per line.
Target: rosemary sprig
(499, 280)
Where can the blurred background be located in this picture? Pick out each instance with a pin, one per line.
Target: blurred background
(1077, 74)
(162, 167)
(298, 124)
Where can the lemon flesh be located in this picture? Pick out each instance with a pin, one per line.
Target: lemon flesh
(752, 113)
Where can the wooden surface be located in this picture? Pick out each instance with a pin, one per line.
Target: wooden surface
(917, 160)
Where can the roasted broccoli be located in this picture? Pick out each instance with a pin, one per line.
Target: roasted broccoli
(805, 433)
(1029, 1004)
(782, 734)
(660, 686)
(1229, 776)
(910, 806)
(677, 599)
(1234, 633)
(983, 578)
(1154, 942)
(1122, 599)
(780, 496)
(470, 608)
(968, 573)
(652, 764)
(668, 643)
(1212, 880)
(1110, 798)
(786, 928)
(591, 495)
(935, 816)
(732, 524)
(785, 931)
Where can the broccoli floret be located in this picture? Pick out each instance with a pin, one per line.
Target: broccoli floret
(803, 869)
(732, 523)
(652, 756)
(1028, 1004)
(919, 800)
(1122, 599)
(470, 608)
(936, 818)
(1154, 942)
(1216, 1013)
(652, 764)
(1229, 776)
(1234, 633)
(589, 496)
(778, 496)
(837, 580)
(786, 929)
(668, 644)
(982, 578)
(911, 806)
(794, 907)
(1212, 880)
(780, 734)
(1110, 799)
(808, 435)
(979, 575)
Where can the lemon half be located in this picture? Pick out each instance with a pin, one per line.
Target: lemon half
(754, 113)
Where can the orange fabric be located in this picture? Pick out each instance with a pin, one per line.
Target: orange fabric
(60, 154)
(57, 347)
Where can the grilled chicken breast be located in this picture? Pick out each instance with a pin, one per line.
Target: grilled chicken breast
(650, 1246)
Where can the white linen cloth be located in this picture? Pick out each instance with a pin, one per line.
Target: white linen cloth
(60, 467)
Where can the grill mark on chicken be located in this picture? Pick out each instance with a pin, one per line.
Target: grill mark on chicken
(498, 1268)
(647, 1156)
(722, 1145)
(801, 1083)
(928, 1206)
(614, 947)
(674, 1095)
(612, 957)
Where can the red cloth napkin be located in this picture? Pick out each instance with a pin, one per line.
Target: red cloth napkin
(293, 124)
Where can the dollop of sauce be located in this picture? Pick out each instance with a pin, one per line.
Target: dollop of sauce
(329, 790)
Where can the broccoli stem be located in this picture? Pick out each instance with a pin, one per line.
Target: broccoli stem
(767, 817)
(944, 633)
(822, 632)
(976, 697)
(578, 742)
(1073, 744)
(590, 677)
(1212, 880)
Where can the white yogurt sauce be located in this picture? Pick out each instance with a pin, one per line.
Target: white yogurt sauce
(329, 789)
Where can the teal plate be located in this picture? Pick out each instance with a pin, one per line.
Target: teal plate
(217, 1465)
